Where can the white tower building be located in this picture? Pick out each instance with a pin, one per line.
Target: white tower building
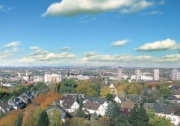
(156, 74)
(138, 74)
(120, 73)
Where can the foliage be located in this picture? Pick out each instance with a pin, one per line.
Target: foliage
(90, 89)
(80, 113)
(19, 119)
(54, 118)
(43, 119)
(139, 117)
(116, 119)
(44, 100)
(121, 94)
(40, 87)
(165, 92)
(67, 85)
(10, 119)
(130, 88)
(110, 97)
(104, 121)
(106, 90)
(155, 120)
(76, 121)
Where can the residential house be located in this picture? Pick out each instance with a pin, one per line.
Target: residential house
(117, 99)
(5, 108)
(69, 103)
(104, 102)
(94, 107)
(16, 103)
(171, 112)
(52, 108)
(176, 93)
(173, 99)
(126, 107)
(113, 89)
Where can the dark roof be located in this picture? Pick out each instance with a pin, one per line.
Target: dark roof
(176, 92)
(6, 107)
(68, 103)
(148, 105)
(174, 87)
(96, 99)
(160, 108)
(172, 97)
(67, 98)
(91, 105)
(173, 109)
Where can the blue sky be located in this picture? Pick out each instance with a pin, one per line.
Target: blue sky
(127, 33)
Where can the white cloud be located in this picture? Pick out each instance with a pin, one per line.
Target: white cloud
(1, 7)
(119, 43)
(40, 55)
(12, 44)
(65, 48)
(75, 7)
(153, 13)
(167, 44)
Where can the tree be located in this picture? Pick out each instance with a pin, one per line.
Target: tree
(165, 92)
(106, 90)
(104, 121)
(121, 94)
(80, 113)
(94, 116)
(155, 120)
(139, 117)
(19, 119)
(132, 90)
(116, 119)
(43, 119)
(110, 97)
(67, 85)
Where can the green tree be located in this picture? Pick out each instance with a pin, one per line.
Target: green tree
(155, 120)
(116, 119)
(43, 119)
(165, 92)
(139, 117)
(19, 119)
(67, 85)
(110, 97)
(94, 116)
(80, 113)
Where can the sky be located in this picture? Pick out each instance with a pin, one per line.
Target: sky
(126, 33)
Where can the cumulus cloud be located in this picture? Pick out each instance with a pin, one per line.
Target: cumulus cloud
(41, 55)
(167, 44)
(65, 48)
(12, 44)
(119, 43)
(75, 7)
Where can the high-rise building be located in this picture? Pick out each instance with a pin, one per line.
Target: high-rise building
(175, 74)
(138, 74)
(120, 73)
(156, 74)
(52, 78)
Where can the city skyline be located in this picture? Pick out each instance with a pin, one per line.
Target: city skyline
(132, 33)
